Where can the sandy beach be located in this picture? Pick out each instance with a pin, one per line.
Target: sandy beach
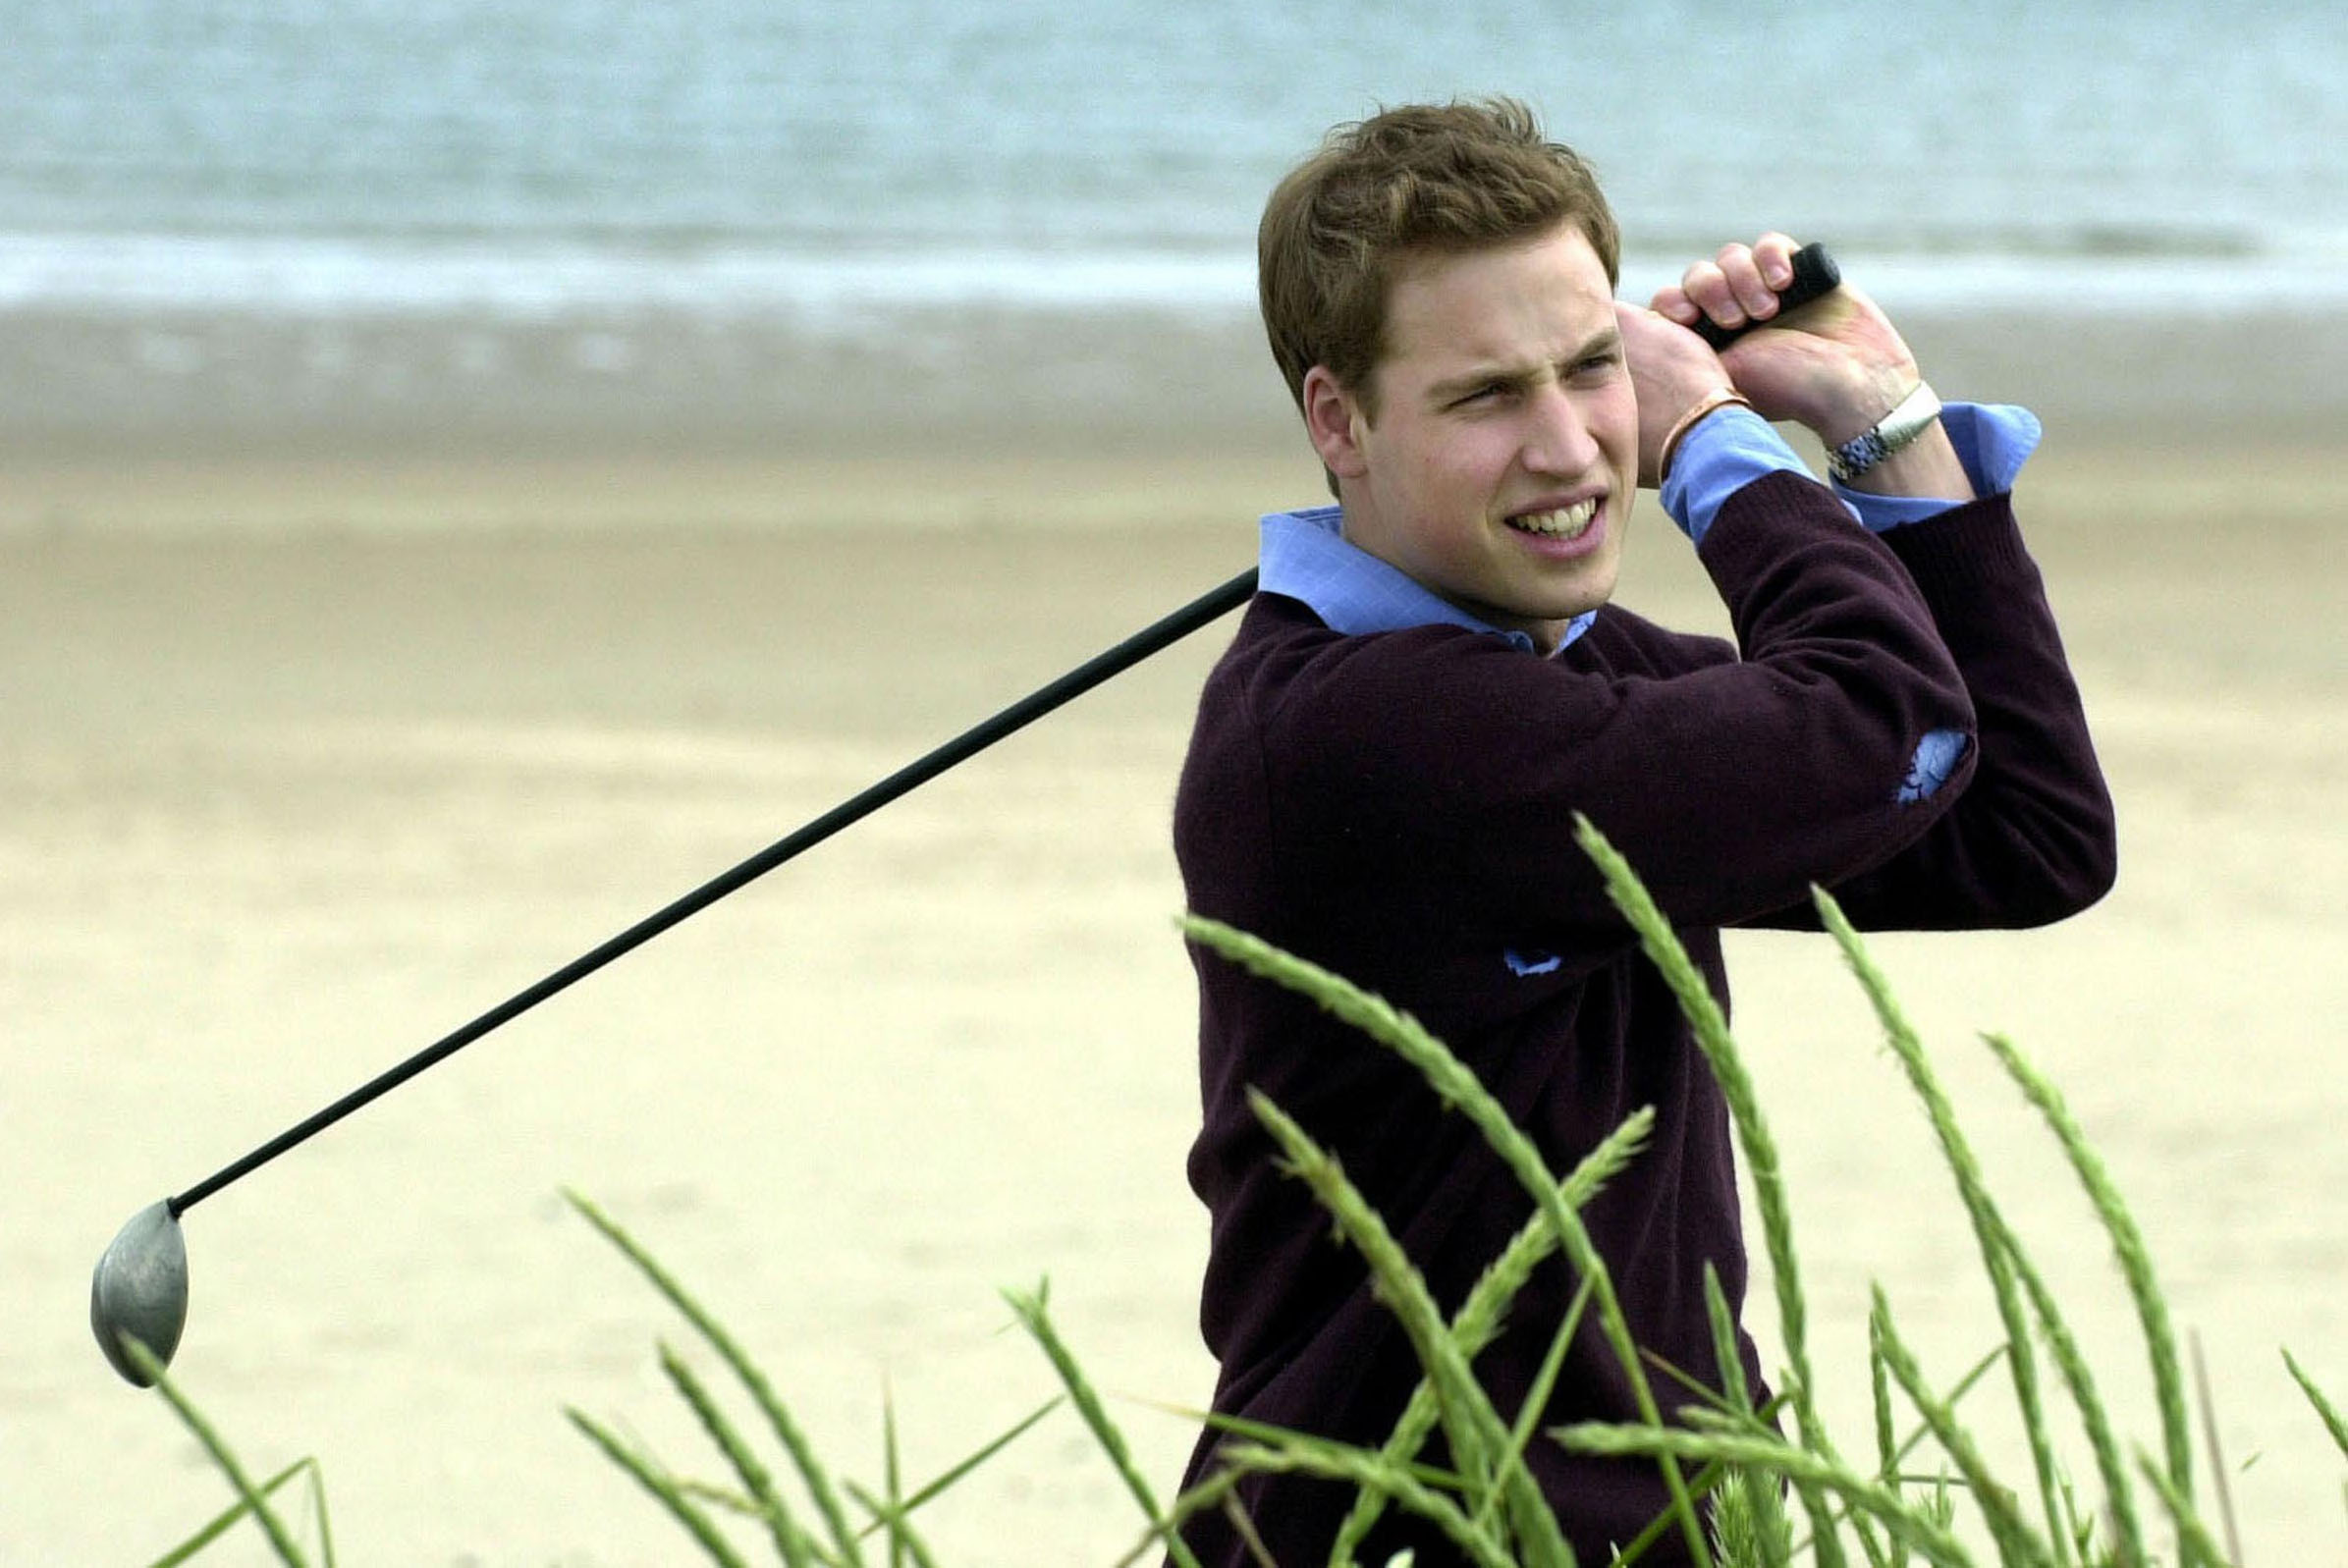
(308, 758)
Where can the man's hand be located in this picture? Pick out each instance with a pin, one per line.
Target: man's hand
(1671, 370)
(1836, 365)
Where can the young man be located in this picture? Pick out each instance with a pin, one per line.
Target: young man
(1431, 682)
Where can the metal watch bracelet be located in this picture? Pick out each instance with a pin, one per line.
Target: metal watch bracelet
(1909, 418)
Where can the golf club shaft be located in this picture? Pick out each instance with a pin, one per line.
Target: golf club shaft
(1209, 607)
(1815, 272)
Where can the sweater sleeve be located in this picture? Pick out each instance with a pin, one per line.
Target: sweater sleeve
(2030, 837)
(1443, 770)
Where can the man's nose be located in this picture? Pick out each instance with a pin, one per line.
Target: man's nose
(1557, 438)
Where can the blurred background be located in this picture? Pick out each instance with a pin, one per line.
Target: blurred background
(718, 223)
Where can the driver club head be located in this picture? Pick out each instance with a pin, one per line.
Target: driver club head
(140, 1289)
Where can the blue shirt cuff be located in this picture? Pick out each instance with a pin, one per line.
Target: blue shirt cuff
(1722, 452)
(1992, 441)
(1731, 447)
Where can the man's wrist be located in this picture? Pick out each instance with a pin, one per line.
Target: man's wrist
(1720, 454)
(1863, 399)
(1926, 469)
(1718, 399)
(1916, 412)
(1992, 441)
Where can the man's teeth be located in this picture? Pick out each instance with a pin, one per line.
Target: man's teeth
(1566, 523)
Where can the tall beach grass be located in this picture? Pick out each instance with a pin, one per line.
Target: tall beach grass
(1750, 1487)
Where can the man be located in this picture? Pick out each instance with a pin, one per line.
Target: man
(1431, 682)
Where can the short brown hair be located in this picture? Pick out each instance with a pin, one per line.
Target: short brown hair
(1421, 180)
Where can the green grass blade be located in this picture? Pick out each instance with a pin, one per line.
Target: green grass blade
(2199, 1543)
(2119, 1496)
(2128, 1244)
(1308, 1456)
(2018, 1548)
(1988, 1228)
(280, 1540)
(1211, 1492)
(725, 1497)
(1769, 1540)
(1879, 1387)
(812, 1471)
(1890, 1474)
(2323, 1407)
(1748, 1520)
(1544, 1382)
(790, 1540)
(219, 1525)
(2218, 1471)
(962, 1468)
(890, 1514)
(317, 1497)
(1264, 1431)
(1479, 1441)
(1954, 1397)
(1701, 1485)
(1033, 1312)
(1478, 1318)
(1878, 1383)
(1459, 1088)
(892, 1476)
(1774, 1455)
(1763, 1167)
(663, 1489)
(1724, 1351)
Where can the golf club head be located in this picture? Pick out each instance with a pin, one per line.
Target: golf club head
(140, 1289)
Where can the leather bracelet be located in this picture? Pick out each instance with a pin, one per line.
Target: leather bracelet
(1719, 399)
(1909, 418)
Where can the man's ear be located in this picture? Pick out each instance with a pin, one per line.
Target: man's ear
(1334, 420)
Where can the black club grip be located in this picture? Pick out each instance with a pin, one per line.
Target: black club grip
(1813, 274)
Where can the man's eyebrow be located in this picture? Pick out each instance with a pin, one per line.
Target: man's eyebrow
(1604, 341)
(1480, 377)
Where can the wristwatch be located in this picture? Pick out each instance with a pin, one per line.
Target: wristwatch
(1909, 418)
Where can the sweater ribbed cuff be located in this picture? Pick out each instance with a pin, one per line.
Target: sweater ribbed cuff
(1969, 546)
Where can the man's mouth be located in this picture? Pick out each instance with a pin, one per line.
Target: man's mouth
(1558, 522)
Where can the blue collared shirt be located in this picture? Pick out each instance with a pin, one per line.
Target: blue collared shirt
(1306, 556)
(1731, 447)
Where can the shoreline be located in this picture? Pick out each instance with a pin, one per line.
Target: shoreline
(963, 382)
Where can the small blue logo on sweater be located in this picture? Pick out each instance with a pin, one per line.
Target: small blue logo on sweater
(1538, 963)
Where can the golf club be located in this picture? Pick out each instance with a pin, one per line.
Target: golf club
(139, 1289)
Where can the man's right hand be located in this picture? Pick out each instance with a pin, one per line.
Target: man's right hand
(1671, 370)
(1836, 366)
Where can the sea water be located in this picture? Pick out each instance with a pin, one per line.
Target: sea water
(205, 199)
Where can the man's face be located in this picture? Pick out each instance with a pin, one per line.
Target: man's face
(1500, 468)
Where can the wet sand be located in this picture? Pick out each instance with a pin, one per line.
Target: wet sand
(307, 760)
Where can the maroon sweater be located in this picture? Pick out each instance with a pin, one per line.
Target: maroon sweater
(1398, 808)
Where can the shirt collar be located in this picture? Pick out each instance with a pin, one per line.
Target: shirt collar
(1306, 556)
